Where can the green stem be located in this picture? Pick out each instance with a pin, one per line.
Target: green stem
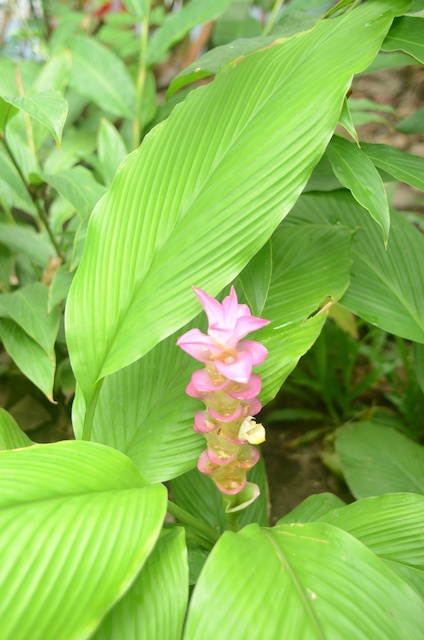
(40, 210)
(206, 544)
(273, 15)
(232, 517)
(141, 77)
(90, 411)
(186, 518)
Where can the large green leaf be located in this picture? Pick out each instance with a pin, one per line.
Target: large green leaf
(376, 459)
(300, 581)
(178, 23)
(11, 436)
(212, 61)
(143, 410)
(77, 523)
(387, 286)
(48, 107)
(207, 188)
(100, 75)
(155, 606)
(407, 34)
(7, 111)
(356, 172)
(393, 527)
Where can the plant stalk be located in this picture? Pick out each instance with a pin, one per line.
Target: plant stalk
(186, 518)
(273, 16)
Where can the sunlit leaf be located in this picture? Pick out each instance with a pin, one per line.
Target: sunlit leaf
(154, 608)
(48, 107)
(296, 581)
(77, 524)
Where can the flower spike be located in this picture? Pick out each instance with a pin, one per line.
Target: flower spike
(229, 390)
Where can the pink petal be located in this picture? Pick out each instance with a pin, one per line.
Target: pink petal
(203, 424)
(204, 382)
(211, 306)
(247, 324)
(199, 346)
(205, 465)
(248, 390)
(239, 370)
(256, 350)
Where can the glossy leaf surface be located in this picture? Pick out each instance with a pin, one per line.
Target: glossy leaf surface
(300, 581)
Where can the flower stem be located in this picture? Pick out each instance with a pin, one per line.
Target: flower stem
(273, 15)
(186, 518)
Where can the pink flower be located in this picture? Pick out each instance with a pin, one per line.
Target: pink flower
(229, 322)
(229, 390)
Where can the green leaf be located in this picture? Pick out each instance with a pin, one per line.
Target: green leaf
(48, 107)
(34, 362)
(358, 174)
(79, 187)
(26, 240)
(100, 75)
(60, 286)
(77, 524)
(300, 581)
(255, 279)
(178, 23)
(29, 332)
(347, 122)
(386, 286)
(214, 60)
(376, 459)
(388, 61)
(147, 245)
(12, 187)
(312, 508)
(406, 34)
(55, 73)
(143, 410)
(310, 267)
(11, 436)
(28, 308)
(402, 166)
(7, 111)
(155, 606)
(418, 351)
(111, 149)
(413, 123)
(392, 526)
